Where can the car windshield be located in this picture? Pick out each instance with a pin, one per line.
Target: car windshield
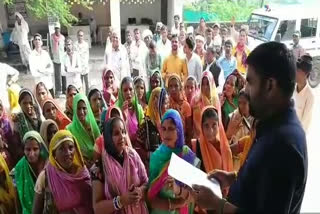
(261, 27)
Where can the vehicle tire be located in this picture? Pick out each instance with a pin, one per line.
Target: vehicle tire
(314, 78)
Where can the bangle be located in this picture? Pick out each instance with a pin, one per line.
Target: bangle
(170, 205)
(222, 203)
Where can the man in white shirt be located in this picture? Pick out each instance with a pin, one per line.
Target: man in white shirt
(212, 66)
(72, 66)
(193, 60)
(82, 48)
(175, 28)
(5, 71)
(303, 94)
(57, 50)
(164, 45)
(41, 66)
(117, 58)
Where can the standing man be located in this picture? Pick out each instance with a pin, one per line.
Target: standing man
(82, 48)
(175, 28)
(57, 50)
(19, 36)
(72, 66)
(193, 60)
(164, 45)
(227, 62)
(303, 94)
(117, 58)
(212, 66)
(173, 63)
(297, 49)
(273, 177)
(41, 66)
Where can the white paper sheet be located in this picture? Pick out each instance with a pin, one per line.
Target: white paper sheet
(184, 172)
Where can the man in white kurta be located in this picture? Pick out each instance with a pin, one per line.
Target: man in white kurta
(72, 66)
(82, 48)
(41, 66)
(303, 94)
(116, 57)
(19, 37)
(5, 72)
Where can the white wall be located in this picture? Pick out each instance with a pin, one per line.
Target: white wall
(151, 11)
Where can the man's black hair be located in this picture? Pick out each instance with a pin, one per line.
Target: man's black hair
(275, 60)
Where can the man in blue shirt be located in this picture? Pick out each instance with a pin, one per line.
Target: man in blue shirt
(273, 177)
(227, 62)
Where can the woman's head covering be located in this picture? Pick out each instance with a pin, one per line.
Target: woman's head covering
(176, 118)
(44, 129)
(135, 80)
(36, 136)
(13, 95)
(59, 138)
(7, 192)
(137, 107)
(108, 141)
(63, 119)
(153, 110)
(211, 158)
(85, 140)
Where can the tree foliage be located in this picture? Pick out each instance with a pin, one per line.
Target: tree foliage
(58, 8)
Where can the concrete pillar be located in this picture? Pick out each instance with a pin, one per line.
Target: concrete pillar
(115, 16)
(175, 7)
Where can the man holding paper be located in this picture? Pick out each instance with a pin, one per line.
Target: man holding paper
(273, 178)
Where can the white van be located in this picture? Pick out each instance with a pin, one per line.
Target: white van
(279, 24)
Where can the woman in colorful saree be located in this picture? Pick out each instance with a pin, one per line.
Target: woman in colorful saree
(28, 169)
(131, 109)
(120, 185)
(190, 88)
(51, 110)
(97, 103)
(64, 186)
(155, 81)
(7, 192)
(84, 127)
(99, 144)
(140, 89)
(179, 102)
(110, 87)
(71, 92)
(47, 130)
(165, 195)
(29, 118)
(149, 131)
(207, 96)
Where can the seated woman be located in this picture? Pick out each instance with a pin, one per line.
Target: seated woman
(47, 130)
(140, 89)
(42, 93)
(99, 144)
(131, 109)
(84, 127)
(110, 87)
(179, 102)
(120, 183)
(149, 131)
(165, 194)
(207, 96)
(64, 186)
(29, 118)
(155, 81)
(51, 110)
(71, 92)
(7, 192)
(28, 169)
(190, 88)
(97, 103)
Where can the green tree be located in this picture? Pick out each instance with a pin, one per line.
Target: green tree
(59, 8)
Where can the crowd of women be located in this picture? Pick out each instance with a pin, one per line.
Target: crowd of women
(113, 146)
